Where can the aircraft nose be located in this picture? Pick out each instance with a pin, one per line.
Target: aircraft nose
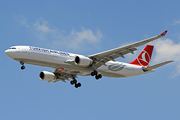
(6, 52)
(9, 53)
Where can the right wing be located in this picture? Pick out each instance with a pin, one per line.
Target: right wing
(103, 57)
(156, 66)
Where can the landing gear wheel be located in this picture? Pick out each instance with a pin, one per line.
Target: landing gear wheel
(72, 82)
(23, 67)
(21, 62)
(75, 81)
(79, 84)
(95, 72)
(76, 85)
(99, 76)
(92, 74)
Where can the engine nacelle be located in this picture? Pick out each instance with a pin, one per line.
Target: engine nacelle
(83, 61)
(45, 75)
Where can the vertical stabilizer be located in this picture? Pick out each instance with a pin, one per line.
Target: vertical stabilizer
(144, 57)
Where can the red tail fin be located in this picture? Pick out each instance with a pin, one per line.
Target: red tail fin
(144, 57)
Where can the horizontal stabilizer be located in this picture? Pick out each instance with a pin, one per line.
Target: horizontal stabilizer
(156, 66)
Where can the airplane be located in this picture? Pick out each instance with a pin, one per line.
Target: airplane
(68, 66)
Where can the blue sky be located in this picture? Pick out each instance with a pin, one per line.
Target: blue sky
(88, 27)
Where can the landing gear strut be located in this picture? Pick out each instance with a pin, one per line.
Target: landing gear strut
(74, 82)
(22, 67)
(95, 73)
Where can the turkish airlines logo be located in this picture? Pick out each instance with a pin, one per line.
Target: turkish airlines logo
(144, 58)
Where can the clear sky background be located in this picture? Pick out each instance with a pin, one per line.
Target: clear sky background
(88, 27)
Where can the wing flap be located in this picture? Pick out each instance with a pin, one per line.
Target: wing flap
(114, 56)
(157, 65)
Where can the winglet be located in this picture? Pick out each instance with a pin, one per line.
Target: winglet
(164, 33)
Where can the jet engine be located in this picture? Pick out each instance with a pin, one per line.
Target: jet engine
(82, 61)
(45, 75)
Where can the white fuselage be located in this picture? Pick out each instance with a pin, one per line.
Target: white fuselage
(57, 59)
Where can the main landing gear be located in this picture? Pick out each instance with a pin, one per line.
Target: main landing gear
(97, 76)
(74, 82)
(22, 67)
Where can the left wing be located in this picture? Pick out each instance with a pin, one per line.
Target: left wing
(103, 57)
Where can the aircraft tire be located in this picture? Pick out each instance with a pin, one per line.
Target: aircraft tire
(79, 84)
(76, 86)
(99, 76)
(95, 72)
(23, 67)
(72, 82)
(92, 74)
(75, 81)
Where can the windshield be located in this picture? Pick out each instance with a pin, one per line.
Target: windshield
(12, 48)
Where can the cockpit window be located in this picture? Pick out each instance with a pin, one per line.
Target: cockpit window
(12, 48)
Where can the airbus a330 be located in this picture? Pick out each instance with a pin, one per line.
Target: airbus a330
(68, 66)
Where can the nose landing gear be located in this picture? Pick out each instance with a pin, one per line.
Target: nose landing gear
(22, 67)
